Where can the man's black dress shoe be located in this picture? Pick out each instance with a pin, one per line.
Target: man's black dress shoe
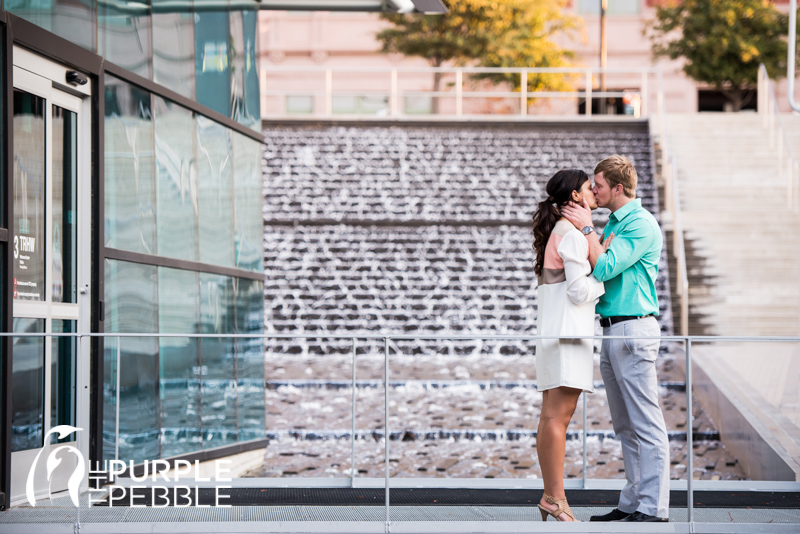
(639, 517)
(614, 515)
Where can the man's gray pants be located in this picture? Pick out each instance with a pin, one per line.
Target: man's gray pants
(628, 367)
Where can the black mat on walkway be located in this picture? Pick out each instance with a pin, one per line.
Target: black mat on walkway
(446, 497)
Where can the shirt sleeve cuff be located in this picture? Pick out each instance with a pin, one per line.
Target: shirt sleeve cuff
(601, 268)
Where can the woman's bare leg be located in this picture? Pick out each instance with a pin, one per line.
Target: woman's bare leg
(558, 405)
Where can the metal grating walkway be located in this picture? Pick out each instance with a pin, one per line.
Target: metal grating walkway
(59, 516)
(436, 497)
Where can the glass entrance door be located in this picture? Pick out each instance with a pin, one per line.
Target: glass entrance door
(51, 289)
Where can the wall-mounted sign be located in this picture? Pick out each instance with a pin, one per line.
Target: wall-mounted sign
(28, 265)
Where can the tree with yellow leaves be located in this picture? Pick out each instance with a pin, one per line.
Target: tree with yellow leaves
(723, 41)
(487, 33)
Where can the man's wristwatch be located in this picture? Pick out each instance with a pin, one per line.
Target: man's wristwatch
(587, 230)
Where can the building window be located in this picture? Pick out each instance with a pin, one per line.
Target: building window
(418, 105)
(299, 104)
(615, 7)
(361, 105)
(713, 100)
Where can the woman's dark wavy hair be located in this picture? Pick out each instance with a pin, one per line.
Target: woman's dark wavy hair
(559, 188)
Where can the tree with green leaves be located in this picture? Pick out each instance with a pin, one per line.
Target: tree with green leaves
(722, 42)
(487, 33)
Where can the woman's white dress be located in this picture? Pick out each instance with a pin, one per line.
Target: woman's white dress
(567, 296)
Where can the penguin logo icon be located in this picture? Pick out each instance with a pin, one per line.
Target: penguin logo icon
(74, 482)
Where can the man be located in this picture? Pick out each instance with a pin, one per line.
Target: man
(629, 308)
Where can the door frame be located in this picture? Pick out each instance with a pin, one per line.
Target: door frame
(17, 34)
(37, 75)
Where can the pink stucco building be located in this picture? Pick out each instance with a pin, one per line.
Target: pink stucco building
(303, 44)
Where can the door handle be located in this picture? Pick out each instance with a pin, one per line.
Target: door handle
(84, 289)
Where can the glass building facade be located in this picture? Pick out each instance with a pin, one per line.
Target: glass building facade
(205, 55)
(176, 234)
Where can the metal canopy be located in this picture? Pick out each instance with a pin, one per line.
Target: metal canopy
(134, 7)
(396, 6)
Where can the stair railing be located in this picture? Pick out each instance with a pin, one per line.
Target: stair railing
(771, 120)
(678, 245)
(382, 85)
(672, 204)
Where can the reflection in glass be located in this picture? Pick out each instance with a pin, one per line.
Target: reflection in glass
(27, 375)
(130, 214)
(124, 35)
(217, 316)
(214, 167)
(245, 98)
(73, 20)
(62, 378)
(250, 359)
(212, 60)
(29, 196)
(65, 205)
(247, 202)
(173, 49)
(131, 305)
(109, 397)
(176, 176)
(181, 369)
(237, 53)
(251, 116)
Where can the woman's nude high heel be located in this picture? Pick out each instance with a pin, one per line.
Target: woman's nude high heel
(561, 508)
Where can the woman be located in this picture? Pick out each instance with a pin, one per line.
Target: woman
(567, 295)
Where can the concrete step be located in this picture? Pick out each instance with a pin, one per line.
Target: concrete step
(731, 189)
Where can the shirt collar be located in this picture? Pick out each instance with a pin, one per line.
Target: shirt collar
(626, 209)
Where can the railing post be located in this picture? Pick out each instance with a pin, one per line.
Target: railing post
(796, 172)
(353, 428)
(78, 345)
(689, 433)
(459, 92)
(394, 104)
(116, 440)
(328, 92)
(762, 93)
(262, 74)
(662, 113)
(685, 305)
(666, 171)
(77, 526)
(789, 181)
(769, 126)
(386, 426)
(523, 92)
(584, 439)
(588, 92)
(645, 95)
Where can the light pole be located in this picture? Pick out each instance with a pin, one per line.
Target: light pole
(603, 55)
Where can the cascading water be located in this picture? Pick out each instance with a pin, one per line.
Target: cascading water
(426, 230)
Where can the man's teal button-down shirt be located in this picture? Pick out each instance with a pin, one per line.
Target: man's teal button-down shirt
(630, 265)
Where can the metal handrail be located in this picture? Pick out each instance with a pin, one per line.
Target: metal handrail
(790, 64)
(388, 338)
(678, 246)
(771, 120)
(394, 93)
(453, 70)
(407, 337)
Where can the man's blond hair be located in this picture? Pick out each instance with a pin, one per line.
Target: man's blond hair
(618, 169)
